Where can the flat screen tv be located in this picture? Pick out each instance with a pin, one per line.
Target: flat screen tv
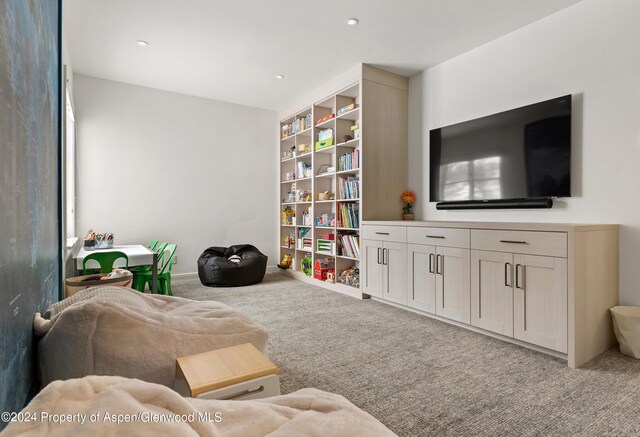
(524, 153)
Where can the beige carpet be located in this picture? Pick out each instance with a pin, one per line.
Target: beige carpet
(424, 377)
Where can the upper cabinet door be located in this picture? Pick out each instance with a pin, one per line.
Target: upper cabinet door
(452, 284)
(540, 301)
(372, 269)
(492, 277)
(421, 263)
(395, 260)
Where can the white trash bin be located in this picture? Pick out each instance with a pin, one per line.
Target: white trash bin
(626, 325)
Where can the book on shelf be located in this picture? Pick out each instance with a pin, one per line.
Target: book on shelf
(349, 188)
(349, 215)
(349, 246)
(304, 170)
(349, 161)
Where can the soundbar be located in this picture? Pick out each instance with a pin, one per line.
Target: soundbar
(496, 204)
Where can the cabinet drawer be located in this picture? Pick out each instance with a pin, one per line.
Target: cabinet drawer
(385, 233)
(446, 237)
(526, 242)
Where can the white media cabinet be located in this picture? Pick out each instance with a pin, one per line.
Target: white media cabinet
(545, 286)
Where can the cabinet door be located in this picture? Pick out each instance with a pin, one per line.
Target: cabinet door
(421, 264)
(453, 293)
(540, 301)
(372, 268)
(492, 278)
(395, 272)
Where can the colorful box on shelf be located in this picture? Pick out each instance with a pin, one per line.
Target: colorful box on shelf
(347, 108)
(325, 134)
(325, 246)
(324, 144)
(322, 267)
(326, 118)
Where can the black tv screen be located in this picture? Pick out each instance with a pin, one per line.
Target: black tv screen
(523, 153)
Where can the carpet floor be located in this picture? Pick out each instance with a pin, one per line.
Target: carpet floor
(423, 377)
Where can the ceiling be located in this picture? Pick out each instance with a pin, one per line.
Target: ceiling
(231, 50)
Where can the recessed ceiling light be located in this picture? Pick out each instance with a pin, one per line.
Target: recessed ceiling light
(279, 76)
(142, 43)
(352, 21)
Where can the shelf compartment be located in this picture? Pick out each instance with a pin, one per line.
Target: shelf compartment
(352, 171)
(346, 257)
(330, 149)
(326, 175)
(352, 115)
(351, 143)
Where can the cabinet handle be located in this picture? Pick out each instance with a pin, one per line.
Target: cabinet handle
(435, 236)
(431, 259)
(506, 274)
(438, 266)
(518, 285)
(382, 233)
(385, 257)
(513, 242)
(379, 253)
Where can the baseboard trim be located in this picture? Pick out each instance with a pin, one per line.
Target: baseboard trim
(340, 288)
(178, 277)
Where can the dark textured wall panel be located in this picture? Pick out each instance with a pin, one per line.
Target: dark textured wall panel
(29, 194)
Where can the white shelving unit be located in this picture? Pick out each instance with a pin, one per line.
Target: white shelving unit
(380, 143)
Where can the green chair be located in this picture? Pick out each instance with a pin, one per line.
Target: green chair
(142, 278)
(157, 248)
(105, 259)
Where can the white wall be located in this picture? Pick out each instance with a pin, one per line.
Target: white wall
(589, 50)
(166, 166)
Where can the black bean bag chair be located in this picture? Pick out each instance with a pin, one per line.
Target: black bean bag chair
(233, 266)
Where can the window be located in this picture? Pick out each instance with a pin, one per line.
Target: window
(69, 167)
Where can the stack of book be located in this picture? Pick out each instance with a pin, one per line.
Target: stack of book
(348, 216)
(350, 246)
(349, 161)
(349, 188)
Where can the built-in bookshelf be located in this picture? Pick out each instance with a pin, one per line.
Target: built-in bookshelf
(342, 160)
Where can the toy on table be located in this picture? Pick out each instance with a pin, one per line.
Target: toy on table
(93, 240)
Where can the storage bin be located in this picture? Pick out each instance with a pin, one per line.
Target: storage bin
(626, 325)
(78, 283)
